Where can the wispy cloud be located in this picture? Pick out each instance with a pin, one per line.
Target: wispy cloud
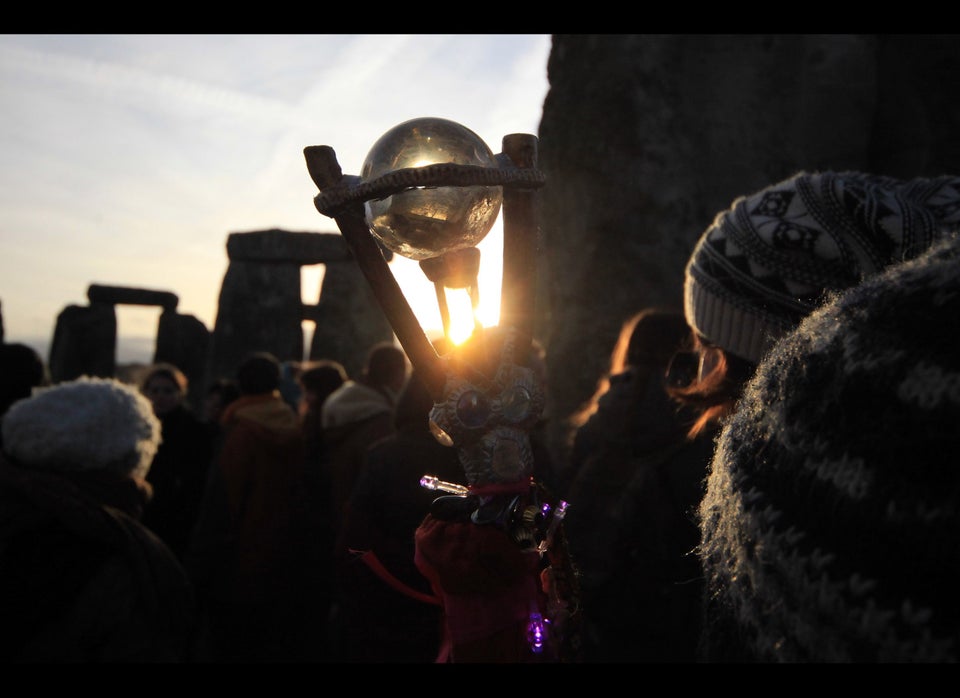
(128, 159)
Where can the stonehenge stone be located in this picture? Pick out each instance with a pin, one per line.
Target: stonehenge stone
(84, 342)
(348, 318)
(283, 246)
(260, 309)
(183, 340)
(645, 138)
(260, 305)
(123, 295)
(85, 338)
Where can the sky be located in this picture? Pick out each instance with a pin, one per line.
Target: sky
(129, 158)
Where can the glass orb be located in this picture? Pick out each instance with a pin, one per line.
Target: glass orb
(427, 222)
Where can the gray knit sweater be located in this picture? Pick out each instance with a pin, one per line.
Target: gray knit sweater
(831, 524)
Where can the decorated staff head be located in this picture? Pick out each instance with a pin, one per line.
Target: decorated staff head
(430, 189)
(494, 550)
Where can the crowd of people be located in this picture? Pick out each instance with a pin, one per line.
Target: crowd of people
(767, 474)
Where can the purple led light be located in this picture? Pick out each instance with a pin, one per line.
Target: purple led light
(536, 632)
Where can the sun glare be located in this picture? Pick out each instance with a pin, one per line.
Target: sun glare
(422, 297)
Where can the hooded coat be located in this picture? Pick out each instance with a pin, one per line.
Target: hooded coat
(251, 541)
(354, 417)
(81, 580)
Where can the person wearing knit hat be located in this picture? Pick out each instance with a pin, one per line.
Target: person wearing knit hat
(832, 513)
(767, 262)
(83, 579)
(776, 255)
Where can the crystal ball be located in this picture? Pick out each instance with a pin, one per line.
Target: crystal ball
(428, 222)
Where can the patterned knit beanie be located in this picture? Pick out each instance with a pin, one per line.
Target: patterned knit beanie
(770, 259)
(85, 424)
(831, 523)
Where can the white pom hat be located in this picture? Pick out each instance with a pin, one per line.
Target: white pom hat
(85, 424)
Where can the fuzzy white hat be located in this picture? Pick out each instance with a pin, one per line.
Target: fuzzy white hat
(85, 424)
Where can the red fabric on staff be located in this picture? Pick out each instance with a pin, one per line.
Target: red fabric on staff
(488, 587)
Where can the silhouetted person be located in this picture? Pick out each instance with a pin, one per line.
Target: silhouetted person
(832, 510)
(179, 470)
(318, 380)
(386, 611)
(21, 370)
(630, 404)
(637, 482)
(250, 543)
(359, 413)
(776, 255)
(290, 383)
(805, 481)
(82, 580)
(219, 395)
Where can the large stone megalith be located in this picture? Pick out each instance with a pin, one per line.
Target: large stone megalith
(645, 138)
(184, 341)
(348, 319)
(85, 338)
(260, 306)
(84, 342)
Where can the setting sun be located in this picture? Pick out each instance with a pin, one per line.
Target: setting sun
(421, 294)
(422, 297)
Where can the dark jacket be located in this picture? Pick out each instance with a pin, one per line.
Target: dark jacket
(81, 579)
(355, 416)
(248, 550)
(178, 474)
(632, 524)
(379, 618)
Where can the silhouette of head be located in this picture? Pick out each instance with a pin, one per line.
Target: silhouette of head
(259, 373)
(21, 370)
(321, 379)
(386, 367)
(652, 338)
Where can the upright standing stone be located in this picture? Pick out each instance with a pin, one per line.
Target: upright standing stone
(645, 138)
(345, 297)
(184, 341)
(85, 338)
(260, 306)
(84, 342)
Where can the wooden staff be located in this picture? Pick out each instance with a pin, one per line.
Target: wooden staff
(326, 172)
